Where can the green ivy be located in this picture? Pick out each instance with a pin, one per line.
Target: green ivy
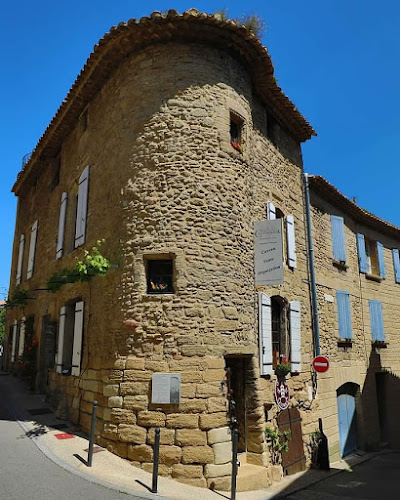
(18, 298)
(92, 264)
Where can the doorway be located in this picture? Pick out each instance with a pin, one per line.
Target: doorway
(237, 373)
(347, 417)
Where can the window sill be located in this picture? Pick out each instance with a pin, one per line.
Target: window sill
(340, 264)
(379, 344)
(345, 343)
(373, 277)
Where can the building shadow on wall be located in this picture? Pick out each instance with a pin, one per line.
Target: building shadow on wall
(368, 421)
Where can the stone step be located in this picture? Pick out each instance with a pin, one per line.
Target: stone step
(252, 477)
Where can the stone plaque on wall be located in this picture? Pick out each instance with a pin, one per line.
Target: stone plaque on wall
(166, 388)
(268, 252)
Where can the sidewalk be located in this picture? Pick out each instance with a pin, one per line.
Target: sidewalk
(62, 443)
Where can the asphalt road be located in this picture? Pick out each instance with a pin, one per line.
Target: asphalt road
(378, 478)
(27, 474)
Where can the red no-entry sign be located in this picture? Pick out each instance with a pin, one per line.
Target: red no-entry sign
(320, 364)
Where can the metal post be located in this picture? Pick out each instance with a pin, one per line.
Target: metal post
(235, 439)
(156, 454)
(91, 438)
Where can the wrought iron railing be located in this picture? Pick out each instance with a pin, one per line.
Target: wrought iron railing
(26, 158)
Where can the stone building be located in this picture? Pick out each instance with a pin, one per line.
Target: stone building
(172, 143)
(358, 286)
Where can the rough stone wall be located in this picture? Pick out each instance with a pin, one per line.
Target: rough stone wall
(165, 180)
(359, 361)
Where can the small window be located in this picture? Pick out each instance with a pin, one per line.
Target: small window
(160, 276)
(56, 175)
(371, 256)
(236, 131)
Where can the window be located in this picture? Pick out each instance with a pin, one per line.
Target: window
(338, 239)
(236, 131)
(370, 256)
(279, 333)
(344, 314)
(160, 276)
(56, 174)
(396, 264)
(275, 213)
(70, 339)
(376, 316)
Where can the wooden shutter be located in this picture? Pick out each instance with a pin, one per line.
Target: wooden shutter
(377, 329)
(396, 264)
(344, 314)
(381, 259)
(295, 336)
(78, 336)
(271, 211)
(265, 333)
(338, 240)
(60, 341)
(20, 258)
(32, 250)
(14, 340)
(81, 212)
(61, 226)
(291, 243)
(21, 343)
(362, 256)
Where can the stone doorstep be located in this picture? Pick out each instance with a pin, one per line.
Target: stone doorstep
(252, 477)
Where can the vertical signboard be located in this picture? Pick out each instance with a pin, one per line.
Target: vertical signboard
(268, 252)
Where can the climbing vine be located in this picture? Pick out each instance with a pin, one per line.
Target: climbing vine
(92, 264)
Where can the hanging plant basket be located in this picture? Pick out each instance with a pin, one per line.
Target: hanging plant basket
(283, 369)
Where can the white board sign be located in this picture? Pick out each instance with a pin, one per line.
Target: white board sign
(268, 252)
(166, 388)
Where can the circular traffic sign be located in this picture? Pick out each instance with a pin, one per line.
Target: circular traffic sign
(320, 364)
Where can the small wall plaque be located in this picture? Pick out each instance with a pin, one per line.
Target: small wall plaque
(166, 388)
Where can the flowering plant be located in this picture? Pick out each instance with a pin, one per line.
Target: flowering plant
(237, 146)
(158, 287)
(283, 368)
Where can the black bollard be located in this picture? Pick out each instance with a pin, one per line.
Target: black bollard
(235, 439)
(156, 454)
(91, 438)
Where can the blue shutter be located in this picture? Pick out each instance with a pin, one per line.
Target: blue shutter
(375, 311)
(344, 314)
(381, 259)
(338, 242)
(362, 256)
(396, 264)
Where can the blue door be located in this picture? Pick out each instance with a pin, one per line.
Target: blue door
(347, 424)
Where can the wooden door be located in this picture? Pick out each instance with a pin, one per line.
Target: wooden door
(294, 459)
(347, 423)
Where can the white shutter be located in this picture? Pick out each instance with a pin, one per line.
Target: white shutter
(61, 226)
(265, 333)
(291, 243)
(20, 258)
(14, 340)
(78, 335)
(295, 336)
(21, 343)
(60, 341)
(80, 225)
(32, 250)
(271, 211)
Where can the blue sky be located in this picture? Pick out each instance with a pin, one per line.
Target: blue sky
(337, 60)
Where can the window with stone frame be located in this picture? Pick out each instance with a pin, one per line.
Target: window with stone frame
(159, 275)
(236, 131)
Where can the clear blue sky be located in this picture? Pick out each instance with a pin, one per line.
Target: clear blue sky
(337, 60)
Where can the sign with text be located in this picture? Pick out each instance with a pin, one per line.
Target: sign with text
(166, 388)
(268, 252)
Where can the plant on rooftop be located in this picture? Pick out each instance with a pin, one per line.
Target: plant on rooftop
(253, 22)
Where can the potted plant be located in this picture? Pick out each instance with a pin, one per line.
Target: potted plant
(283, 368)
(278, 443)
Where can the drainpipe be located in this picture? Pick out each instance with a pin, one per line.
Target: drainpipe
(314, 299)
